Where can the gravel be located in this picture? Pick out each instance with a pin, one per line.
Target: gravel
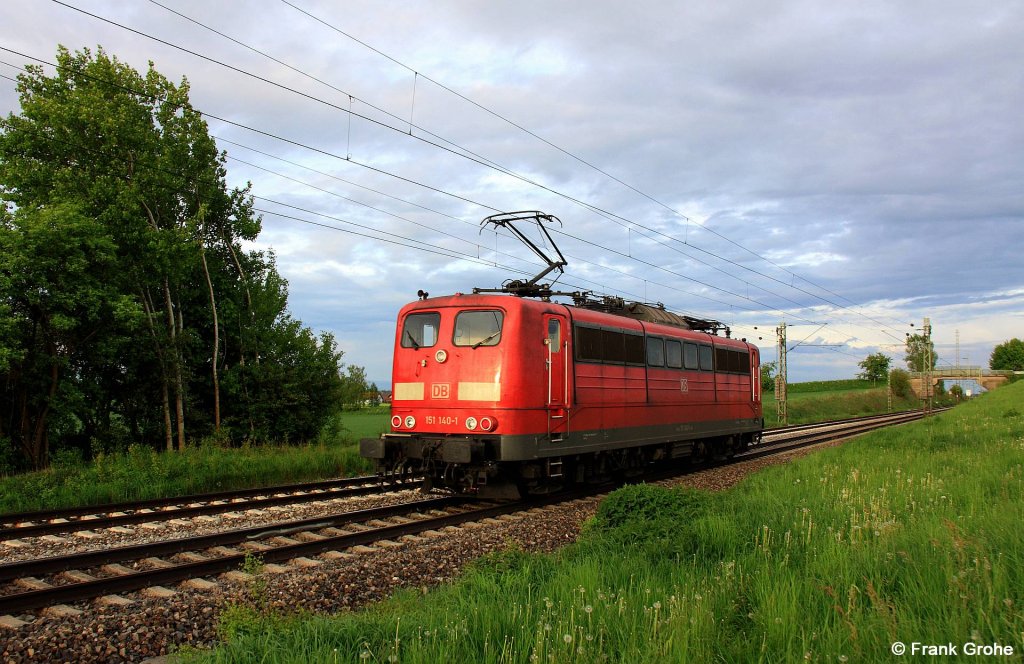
(154, 627)
(162, 527)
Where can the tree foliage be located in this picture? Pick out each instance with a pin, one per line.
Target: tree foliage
(920, 353)
(1008, 356)
(129, 309)
(875, 367)
(899, 383)
(768, 370)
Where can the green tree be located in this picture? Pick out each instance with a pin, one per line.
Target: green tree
(875, 367)
(163, 324)
(768, 370)
(1008, 356)
(920, 353)
(354, 388)
(58, 267)
(899, 383)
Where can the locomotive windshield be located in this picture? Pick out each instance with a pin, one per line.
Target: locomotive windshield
(478, 328)
(420, 330)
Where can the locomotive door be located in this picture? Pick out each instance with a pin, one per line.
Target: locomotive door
(557, 343)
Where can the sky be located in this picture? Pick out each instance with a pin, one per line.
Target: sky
(848, 169)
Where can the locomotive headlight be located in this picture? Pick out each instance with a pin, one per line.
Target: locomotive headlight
(488, 423)
(471, 423)
(441, 356)
(396, 422)
(410, 421)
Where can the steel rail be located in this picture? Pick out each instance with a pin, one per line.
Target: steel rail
(812, 437)
(34, 599)
(88, 559)
(184, 507)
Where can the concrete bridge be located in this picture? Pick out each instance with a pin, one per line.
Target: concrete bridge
(987, 378)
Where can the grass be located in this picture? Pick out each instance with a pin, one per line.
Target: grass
(806, 407)
(141, 473)
(910, 534)
(848, 385)
(366, 423)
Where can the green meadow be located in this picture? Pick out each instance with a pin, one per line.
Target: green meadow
(902, 536)
(140, 472)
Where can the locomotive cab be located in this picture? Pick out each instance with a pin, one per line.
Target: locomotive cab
(465, 374)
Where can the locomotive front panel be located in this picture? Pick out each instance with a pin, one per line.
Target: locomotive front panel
(467, 391)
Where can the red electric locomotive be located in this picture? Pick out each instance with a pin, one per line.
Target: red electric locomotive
(504, 394)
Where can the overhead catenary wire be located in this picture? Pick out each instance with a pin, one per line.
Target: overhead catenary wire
(419, 74)
(376, 234)
(462, 152)
(459, 197)
(601, 286)
(647, 263)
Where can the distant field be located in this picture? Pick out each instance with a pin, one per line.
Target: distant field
(832, 386)
(369, 423)
(820, 401)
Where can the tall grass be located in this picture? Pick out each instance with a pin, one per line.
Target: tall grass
(807, 407)
(142, 473)
(911, 534)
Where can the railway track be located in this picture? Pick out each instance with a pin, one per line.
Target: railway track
(811, 434)
(50, 522)
(60, 580)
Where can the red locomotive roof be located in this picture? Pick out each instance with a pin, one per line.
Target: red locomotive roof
(577, 314)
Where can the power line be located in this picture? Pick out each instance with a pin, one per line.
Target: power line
(464, 152)
(596, 168)
(606, 249)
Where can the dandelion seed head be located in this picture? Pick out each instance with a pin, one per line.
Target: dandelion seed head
(588, 608)
(567, 638)
(657, 605)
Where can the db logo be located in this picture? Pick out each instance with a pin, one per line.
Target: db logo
(440, 391)
(683, 386)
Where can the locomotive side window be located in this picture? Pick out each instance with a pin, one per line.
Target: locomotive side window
(729, 360)
(634, 348)
(588, 344)
(722, 364)
(554, 335)
(478, 328)
(613, 346)
(673, 354)
(608, 346)
(420, 330)
(655, 352)
(690, 356)
(707, 358)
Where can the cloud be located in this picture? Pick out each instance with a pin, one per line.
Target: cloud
(851, 164)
